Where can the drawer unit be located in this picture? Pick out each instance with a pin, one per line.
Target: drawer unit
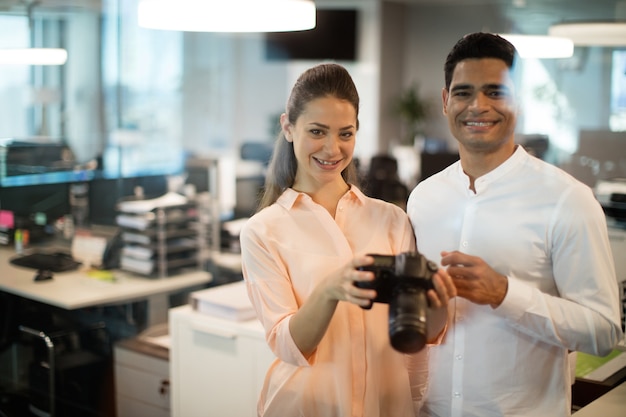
(217, 366)
(142, 383)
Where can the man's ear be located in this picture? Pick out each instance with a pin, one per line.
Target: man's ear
(444, 99)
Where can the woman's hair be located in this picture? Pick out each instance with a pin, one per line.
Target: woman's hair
(478, 45)
(324, 80)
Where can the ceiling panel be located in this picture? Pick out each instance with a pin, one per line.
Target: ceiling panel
(535, 16)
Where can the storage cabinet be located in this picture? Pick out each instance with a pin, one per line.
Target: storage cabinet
(142, 383)
(217, 366)
(163, 241)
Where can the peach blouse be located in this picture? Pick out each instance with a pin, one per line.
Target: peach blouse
(287, 249)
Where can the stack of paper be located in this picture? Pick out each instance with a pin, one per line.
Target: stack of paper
(140, 266)
(227, 301)
(136, 221)
(143, 206)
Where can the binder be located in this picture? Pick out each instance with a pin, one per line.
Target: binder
(228, 301)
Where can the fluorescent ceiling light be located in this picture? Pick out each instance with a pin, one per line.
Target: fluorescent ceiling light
(227, 15)
(540, 46)
(589, 33)
(33, 56)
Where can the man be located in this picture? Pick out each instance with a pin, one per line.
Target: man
(526, 245)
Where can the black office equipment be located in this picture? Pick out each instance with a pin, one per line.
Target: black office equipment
(382, 181)
(432, 163)
(46, 263)
(334, 37)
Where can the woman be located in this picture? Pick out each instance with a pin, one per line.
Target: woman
(300, 254)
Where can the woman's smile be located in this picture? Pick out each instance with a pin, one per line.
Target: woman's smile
(326, 163)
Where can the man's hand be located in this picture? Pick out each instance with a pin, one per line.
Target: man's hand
(474, 279)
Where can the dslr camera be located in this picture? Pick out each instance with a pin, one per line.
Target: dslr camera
(402, 281)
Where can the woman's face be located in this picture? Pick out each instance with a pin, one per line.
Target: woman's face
(323, 141)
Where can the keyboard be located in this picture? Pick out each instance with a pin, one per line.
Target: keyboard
(53, 262)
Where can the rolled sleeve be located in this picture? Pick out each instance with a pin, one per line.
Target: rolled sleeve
(272, 298)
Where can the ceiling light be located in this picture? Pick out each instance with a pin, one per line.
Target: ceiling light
(227, 15)
(33, 56)
(592, 33)
(541, 46)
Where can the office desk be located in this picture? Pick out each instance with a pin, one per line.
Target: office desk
(611, 404)
(75, 289)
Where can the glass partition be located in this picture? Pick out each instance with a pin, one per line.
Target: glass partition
(113, 110)
(142, 77)
(49, 115)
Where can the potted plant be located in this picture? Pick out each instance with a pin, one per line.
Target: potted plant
(413, 111)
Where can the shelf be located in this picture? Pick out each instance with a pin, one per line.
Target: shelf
(162, 241)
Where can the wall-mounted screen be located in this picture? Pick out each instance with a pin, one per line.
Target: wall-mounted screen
(333, 38)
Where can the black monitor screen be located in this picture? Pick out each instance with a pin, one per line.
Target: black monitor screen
(334, 37)
(50, 199)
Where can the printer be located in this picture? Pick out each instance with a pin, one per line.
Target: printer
(611, 193)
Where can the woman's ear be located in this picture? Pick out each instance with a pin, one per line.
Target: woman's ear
(286, 127)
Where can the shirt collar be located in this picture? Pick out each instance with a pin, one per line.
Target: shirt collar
(290, 196)
(510, 163)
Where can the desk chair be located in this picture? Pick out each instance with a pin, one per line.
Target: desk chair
(256, 151)
(65, 365)
(13, 400)
(8, 326)
(67, 361)
(383, 182)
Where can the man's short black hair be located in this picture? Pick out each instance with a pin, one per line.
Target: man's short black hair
(479, 45)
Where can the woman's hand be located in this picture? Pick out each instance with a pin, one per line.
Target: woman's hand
(310, 322)
(341, 285)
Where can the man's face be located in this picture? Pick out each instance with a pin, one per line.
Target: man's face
(480, 105)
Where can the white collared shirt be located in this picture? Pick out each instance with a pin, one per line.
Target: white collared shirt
(547, 233)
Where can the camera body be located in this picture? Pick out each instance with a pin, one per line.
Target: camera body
(402, 281)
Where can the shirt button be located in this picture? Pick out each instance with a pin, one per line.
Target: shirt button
(459, 357)
(457, 394)
(464, 244)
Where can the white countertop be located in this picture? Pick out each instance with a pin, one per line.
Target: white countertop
(76, 289)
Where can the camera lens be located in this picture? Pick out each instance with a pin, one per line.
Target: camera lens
(407, 319)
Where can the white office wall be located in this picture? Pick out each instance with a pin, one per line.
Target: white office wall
(232, 94)
(431, 31)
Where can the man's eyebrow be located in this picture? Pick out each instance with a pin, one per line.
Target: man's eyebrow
(461, 87)
(496, 87)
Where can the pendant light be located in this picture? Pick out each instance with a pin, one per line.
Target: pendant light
(32, 56)
(227, 15)
(609, 33)
(540, 46)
